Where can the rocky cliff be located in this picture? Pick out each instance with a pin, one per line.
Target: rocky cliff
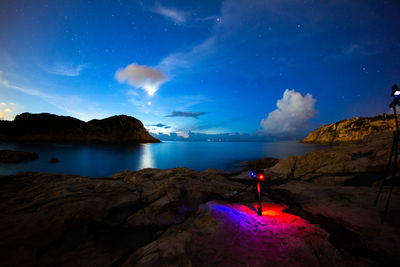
(351, 130)
(46, 127)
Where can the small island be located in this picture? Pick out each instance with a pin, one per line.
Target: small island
(50, 128)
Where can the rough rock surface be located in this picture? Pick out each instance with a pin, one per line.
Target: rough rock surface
(180, 217)
(229, 234)
(360, 164)
(11, 156)
(352, 220)
(46, 127)
(260, 164)
(351, 130)
(49, 219)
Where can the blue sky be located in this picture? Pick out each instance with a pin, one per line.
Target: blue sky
(273, 68)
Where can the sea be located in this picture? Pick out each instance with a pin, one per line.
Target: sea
(105, 160)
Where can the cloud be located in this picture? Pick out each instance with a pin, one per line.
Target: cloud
(143, 77)
(171, 14)
(217, 125)
(292, 114)
(160, 125)
(7, 111)
(188, 114)
(64, 70)
(366, 48)
(28, 91)
(73, 104)
(184, 59)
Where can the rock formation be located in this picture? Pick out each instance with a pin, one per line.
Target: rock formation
(362, 163)
(180, 217)
(11, 156)
(53, 160)
(352, 130)
(46, 127)
(259, 164)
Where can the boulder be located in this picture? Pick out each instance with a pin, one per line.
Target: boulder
(53, 160)
(259, 164)
(340, 164)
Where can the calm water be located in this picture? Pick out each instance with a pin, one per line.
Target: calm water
(103, 160)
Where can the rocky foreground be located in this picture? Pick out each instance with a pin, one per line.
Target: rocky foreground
(180, 217)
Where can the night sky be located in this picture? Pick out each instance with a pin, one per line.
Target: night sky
(269, 68)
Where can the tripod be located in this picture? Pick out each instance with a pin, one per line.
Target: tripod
(393, 154)
(256, 183)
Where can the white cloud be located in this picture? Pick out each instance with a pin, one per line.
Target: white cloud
(7, 111)
(172, 14)
(292, 114)
(65, 70)
(143, 77)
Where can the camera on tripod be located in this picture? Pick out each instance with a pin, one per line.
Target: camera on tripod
(258, 174)
(257, 183)
(391, 167)
(259, 177)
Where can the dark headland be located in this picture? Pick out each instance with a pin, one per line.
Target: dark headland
(51, 128)
(318, 211)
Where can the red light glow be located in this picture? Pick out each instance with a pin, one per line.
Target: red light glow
(270, 213)
(261, 177)
(271, 240)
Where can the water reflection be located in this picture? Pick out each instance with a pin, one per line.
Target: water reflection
(283, 149)
(105, 160)
(146, 159)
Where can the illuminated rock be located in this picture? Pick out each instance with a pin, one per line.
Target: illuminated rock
(351, 130)
(226, 234)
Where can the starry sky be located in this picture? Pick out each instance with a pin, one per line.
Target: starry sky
(251, 67)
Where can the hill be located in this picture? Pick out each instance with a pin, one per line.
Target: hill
(351, 130)
(51, 128)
